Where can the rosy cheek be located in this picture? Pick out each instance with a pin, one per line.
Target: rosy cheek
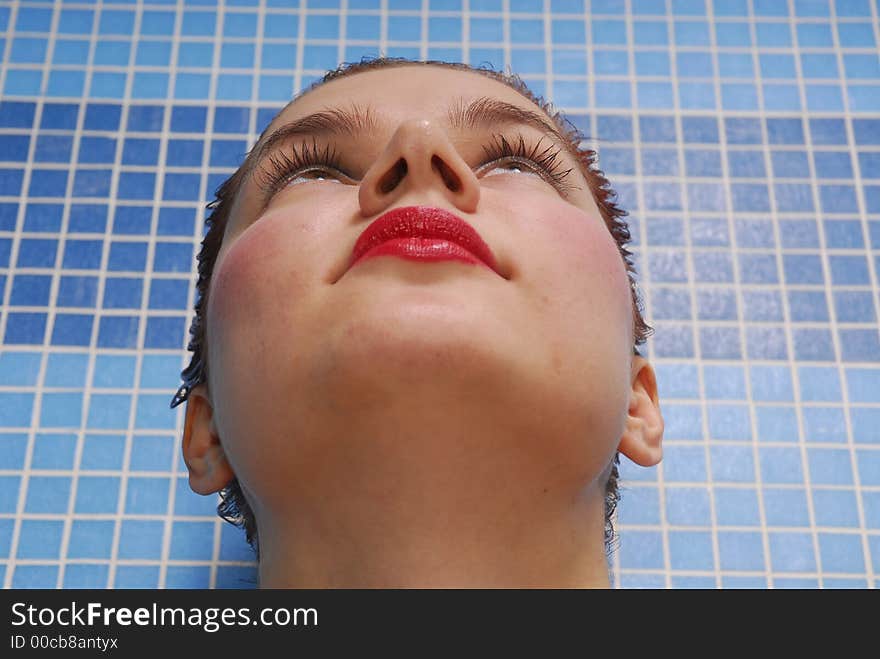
(260, 267)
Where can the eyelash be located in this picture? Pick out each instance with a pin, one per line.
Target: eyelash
(282, 167)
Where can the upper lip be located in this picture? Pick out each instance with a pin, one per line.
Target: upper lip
(423, 222)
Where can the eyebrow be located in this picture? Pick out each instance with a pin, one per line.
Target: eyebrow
(483, 112)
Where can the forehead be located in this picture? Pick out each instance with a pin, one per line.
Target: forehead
(402, 91)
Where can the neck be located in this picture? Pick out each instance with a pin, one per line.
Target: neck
(532, 542)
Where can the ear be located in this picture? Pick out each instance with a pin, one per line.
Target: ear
(209, 470)
(643, 435)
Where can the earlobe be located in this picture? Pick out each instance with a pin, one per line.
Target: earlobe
(642, 438)
(209, 470)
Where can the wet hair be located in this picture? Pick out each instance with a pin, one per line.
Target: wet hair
(233, 506)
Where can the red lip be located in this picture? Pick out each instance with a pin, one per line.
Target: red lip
(423, 233)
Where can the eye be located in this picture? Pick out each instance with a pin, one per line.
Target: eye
(544, 162)
(298, 166)
(311, 175)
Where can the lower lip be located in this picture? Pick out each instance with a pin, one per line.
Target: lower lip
(423, 249)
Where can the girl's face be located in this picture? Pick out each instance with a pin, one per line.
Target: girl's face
(394, 374)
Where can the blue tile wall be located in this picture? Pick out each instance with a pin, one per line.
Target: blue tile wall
(742, 137)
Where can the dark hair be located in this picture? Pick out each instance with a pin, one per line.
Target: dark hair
(233, 506)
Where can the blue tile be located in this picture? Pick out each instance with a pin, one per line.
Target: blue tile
(109, 411)
(192, 541)
(691, 550)
(814, 35)
(48, 183)
(146, 496)
(807, 306)
(132, 220)
(48, 494)
(771, 383)
(792, 552)
(819, 66)
(96, 150)
(86, 576)
(188, 119)
(724, 382)
(843, 234)
(836, 508)
(849, 270)
(64, 369)
(88, 218)
(803, 268)
(43, 217)
(684, 463)
(54, 451)
(819, 383)
(729, 421)
(169, 294)
(127, 256)
(776, 423)
(855, 35)
(683, 421)
(854, 307)
(812, 344)
(745, 164)
(173, 257)
(790, 164)
(838, 199)
(709, 232)
(740, 550)
(657, 129)
(766, 343)
(92, 183)
(186, 502)
(869, 467)
(780, 465)
(36, 253)
(113, 371)
(841, 552)
(164, 332)
(641, 549)
(77, 292)
(40, 539)
(102, 452)
(688, 506)
(8, 217)
(141, 539)
(97, 494)
(713, 267)
(72, 330)
(137, 576)
(824, 424)
(10, 487)
(732, 464)
(118, 332)
(151, 453)
(122, 293)
(736, 507)
(674, 341)
(25, 329)
(19, 368)
(188, 577)
(35, 576)
(184, 153)
(732, 34)
(865, 424)
(720, 343)
(750, 197)
(859, 345)
(703, 162)
(716, 304)
(863, 385)
(30, 290)
(786, 507)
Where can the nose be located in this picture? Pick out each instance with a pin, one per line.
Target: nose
(420, 161)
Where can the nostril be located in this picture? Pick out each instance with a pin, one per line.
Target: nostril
(393, 176)
(449, 177)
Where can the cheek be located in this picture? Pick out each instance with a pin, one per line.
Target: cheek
(257, 287)
(579, 260)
